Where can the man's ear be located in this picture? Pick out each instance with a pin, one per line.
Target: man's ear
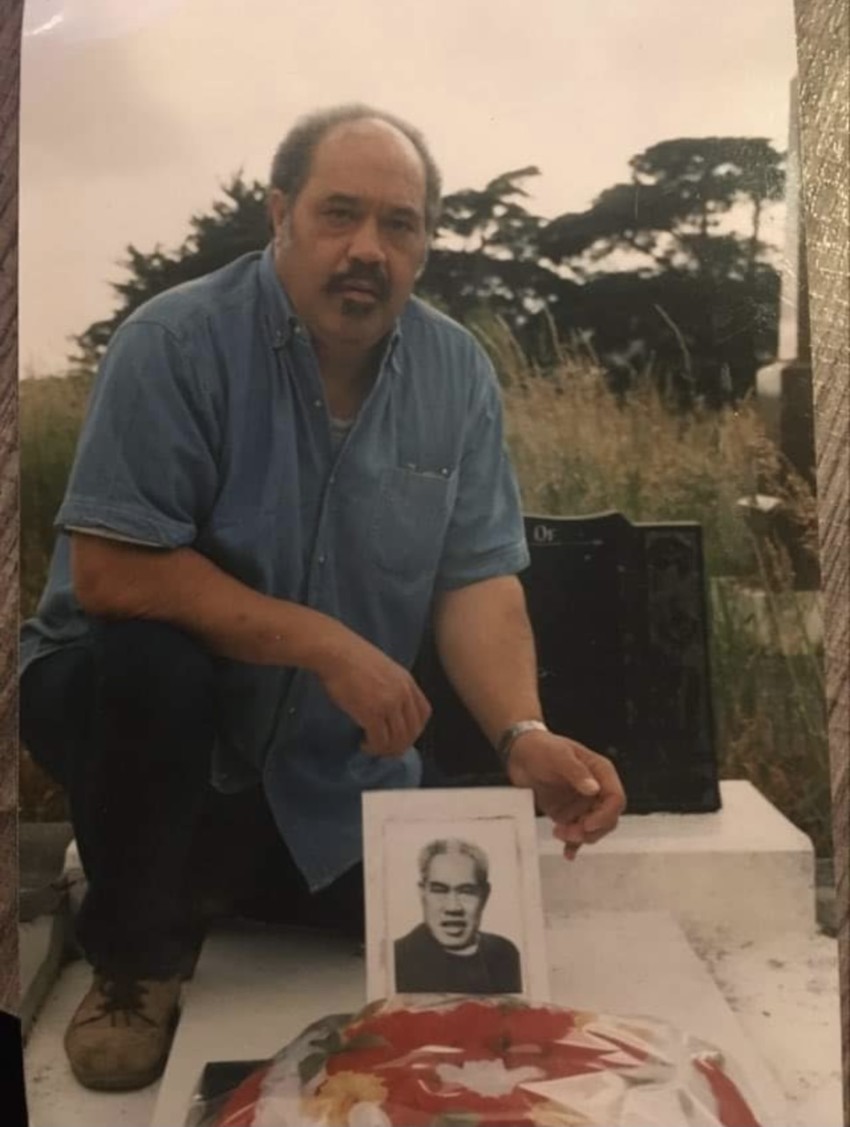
(278, 206)
(485, 894)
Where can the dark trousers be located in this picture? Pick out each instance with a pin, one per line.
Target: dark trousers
(126, 725)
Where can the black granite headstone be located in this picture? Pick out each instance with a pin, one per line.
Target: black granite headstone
(619, 617)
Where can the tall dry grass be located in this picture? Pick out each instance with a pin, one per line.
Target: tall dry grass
(51, 412)
(580, 449)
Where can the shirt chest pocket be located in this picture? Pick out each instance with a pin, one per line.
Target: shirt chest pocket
(411, 514)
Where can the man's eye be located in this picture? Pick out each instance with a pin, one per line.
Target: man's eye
(339, 214)
(399, 223)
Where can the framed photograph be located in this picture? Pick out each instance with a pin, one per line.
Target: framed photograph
(453, 901)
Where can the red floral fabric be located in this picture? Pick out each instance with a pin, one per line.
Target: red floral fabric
(489, 1062)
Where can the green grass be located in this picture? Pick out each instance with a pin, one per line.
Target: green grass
(578, 450)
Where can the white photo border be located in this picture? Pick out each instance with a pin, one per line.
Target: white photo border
(450, 806)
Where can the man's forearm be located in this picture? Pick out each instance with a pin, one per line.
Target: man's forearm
(113, 579)
(486, 646)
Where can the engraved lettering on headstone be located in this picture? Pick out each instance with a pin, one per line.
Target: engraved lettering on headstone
(543, 534)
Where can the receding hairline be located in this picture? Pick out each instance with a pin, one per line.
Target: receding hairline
(292, 164)
(371, 127)
(455, 847)
(370, 123)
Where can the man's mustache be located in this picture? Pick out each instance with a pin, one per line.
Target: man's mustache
(373, 278)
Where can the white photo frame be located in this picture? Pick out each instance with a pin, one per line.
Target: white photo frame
(500, 822)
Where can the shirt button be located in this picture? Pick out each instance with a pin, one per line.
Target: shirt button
(322, 559)
(291, 711)
(317, 402)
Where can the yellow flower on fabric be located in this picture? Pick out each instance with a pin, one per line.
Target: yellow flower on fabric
(334, 1100)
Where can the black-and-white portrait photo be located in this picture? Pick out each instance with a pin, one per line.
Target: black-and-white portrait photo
(449, 951)
(453, 894)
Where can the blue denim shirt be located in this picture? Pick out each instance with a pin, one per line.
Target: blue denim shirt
(208, 427)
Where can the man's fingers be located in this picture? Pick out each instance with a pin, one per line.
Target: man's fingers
(406, 720)
(402, 730)
(566, 810)
(381, 696)
(590, 826)
(400, 725)
(577, 788)
(422, 707)
(603, 819)
(573, 832)
(585, 820)
(611, 798)
(377, 739)
(592, 836)
(416, 714)
(578, 774)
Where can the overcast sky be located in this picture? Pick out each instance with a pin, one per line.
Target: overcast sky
(133, 114)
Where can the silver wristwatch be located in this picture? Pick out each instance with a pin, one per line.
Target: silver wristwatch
(510, 735)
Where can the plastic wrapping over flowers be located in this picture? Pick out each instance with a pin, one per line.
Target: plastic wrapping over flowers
(412, 1062)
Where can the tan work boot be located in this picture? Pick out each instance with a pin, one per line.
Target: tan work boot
(120, 1035)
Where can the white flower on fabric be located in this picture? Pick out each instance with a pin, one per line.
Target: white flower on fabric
(277, 1109)
(368, 1114)
(487, 1077)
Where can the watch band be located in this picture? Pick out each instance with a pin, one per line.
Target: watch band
(510, 735)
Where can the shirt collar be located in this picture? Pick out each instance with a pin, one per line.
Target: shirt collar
(283, 321)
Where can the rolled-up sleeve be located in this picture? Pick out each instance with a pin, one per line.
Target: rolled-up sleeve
(146, 462)
(486, 535)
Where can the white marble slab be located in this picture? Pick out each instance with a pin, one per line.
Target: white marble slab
(744, 871)
(640, 963)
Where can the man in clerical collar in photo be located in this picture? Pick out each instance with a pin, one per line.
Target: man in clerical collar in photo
(448, 953)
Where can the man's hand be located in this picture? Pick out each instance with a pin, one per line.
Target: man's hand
(579, 789)
(378, 694)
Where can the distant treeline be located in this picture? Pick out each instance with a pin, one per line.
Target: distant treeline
(666, 270)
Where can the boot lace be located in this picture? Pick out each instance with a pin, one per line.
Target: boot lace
(123, 999)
